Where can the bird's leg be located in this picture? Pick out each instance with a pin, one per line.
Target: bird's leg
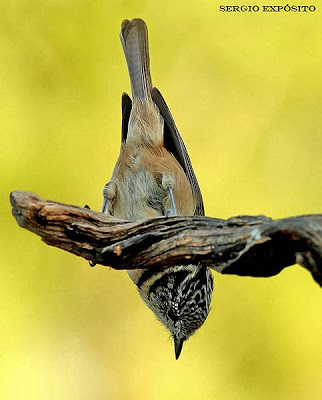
(108, 198)
(168, 183)
(172, 211)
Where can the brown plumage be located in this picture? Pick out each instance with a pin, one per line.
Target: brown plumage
(153, 177)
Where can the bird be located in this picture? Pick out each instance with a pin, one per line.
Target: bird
(153, 177)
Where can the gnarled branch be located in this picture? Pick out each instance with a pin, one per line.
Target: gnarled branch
(243, 245)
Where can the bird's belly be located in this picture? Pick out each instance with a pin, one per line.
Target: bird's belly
(138, 195)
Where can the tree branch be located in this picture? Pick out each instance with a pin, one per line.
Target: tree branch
(243, 245)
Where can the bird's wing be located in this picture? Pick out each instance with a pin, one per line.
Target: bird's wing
(126, 112)
(174, 144)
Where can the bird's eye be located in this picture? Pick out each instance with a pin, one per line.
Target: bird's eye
(172, 315)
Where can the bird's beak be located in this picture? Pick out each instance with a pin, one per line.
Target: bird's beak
(178, 343)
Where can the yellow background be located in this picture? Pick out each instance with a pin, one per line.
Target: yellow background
(245, 91)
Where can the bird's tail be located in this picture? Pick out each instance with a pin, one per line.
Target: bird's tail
(134, 39)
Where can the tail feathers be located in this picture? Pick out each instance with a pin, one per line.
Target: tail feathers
(134, 39)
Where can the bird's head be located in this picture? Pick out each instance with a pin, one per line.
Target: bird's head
(180, 298)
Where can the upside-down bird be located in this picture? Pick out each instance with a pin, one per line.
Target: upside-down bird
(153, 177)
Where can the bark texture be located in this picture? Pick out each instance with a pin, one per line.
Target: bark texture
(242, 245)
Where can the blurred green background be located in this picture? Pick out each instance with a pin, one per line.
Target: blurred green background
(245, 91)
